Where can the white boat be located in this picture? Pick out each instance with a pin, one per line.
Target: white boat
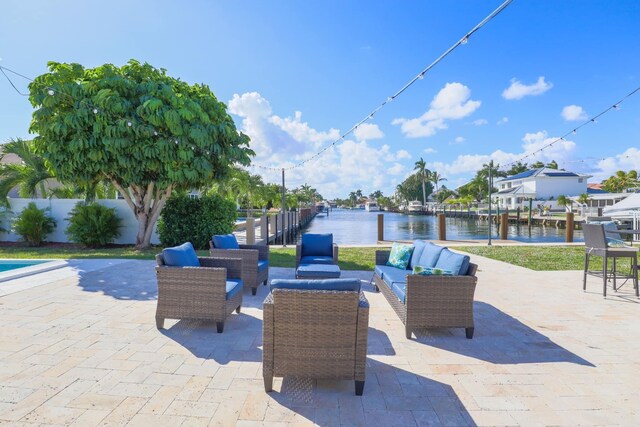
(415, 206)
(371, 207)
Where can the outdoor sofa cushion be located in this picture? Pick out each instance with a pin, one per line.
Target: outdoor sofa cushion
(314, 259)
(430, 255)
(225, 241)
(233, 287)
(317, 285)
(317, 245)
(181, 256)
(262, 264)
(397, 281)
(400, 255)
(456, 263)
(418, 248)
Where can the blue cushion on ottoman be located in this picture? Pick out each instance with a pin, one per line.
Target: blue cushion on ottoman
(225, 241)
(317, 285)
(418, 248)
(234, 286)
(181, 256)
(456, 263)
(430, 255)
(317, 244)
(318, 270)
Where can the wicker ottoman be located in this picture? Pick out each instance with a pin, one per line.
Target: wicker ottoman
(317, 271)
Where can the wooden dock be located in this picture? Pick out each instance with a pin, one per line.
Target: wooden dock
(274, 228)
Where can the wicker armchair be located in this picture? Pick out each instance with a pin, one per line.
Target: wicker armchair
(321, 258)
(432, 301)
(315, 334)
(252, 275)
(197, 292)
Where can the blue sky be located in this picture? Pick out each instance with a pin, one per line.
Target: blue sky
(297, 74)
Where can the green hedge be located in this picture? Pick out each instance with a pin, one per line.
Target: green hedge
(33, 225)
(195, 220)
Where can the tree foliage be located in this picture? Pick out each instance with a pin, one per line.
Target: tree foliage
(144, 131)
(93, 225)
(620, 181)
(29, 175)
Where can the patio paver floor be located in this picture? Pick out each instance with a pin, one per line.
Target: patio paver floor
(83, 350)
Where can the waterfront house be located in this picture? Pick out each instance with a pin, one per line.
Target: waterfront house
(539, 184)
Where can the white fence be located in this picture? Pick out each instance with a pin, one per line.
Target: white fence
(59, 210)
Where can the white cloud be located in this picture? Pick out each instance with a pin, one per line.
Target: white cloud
(517, 90)
(285, 141)
(403, 154)
(367, 132)
(573, 113)
(626, 161)
(479, 122)
(430, 150)
(503, 121)
(451, 103)
(469, 163)
(459, 140)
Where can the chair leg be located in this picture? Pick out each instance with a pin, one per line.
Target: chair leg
(407, 332)
(604, 276)
(220, 327)
(469, 332)
(615, 288)
(159, 322)
(359, 388)
(264, 283)
(238, 309)
(586, 268)
(634, 268)
(254, 291)
(268, 384)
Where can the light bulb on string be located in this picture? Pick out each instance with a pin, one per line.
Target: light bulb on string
(575, 132)
(464, 40)
(129, 124)
(95, 111)
(51, 92)
(616, 107)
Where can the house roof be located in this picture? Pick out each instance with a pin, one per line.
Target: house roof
(555, 173)
(591, 190)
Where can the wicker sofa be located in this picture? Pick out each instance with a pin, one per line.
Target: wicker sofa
(255, 259)
(315, 329)
(210, 291)
(433, 301)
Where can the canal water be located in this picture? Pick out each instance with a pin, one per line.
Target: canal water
(359, 227)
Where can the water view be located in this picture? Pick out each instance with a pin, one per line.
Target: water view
(359, 227)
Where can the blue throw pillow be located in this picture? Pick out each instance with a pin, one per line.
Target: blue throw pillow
(418, 248)
(400, 255)
(456, 263)
(225, 241)
(430, 255)
(317, 285)
(317, 244)
(181, 256)
(431, 271)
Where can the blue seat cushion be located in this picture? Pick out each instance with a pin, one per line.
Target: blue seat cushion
(316, 260)
(234, 286)
(262, 264)
(181, 256)
(318, 270)
(399, 288)
(225, 241)
(457, 264)
(383, 270)
(317, 285)
(317, 244)
(430, 255)
(395, 275)
(418, 248)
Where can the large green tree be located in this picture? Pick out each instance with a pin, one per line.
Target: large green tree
(135, 126)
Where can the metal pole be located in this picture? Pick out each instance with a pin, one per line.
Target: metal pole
(284, 210)
(490, 164)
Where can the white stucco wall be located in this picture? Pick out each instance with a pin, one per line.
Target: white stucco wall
(559, 186)
(59, 210)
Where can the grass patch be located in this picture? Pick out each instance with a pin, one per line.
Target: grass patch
(542, 258)
(349, 258)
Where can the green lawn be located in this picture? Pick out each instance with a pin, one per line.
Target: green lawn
(542, 258)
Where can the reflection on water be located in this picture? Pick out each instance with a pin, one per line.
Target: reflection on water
(360, 227)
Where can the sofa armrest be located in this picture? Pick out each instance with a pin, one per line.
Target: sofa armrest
(362, 334)
(207, 284)
(233, 266)
(335, 253)
(267, 337)
(263, 251)
(298, 254)
(382, 257)
(248, 256)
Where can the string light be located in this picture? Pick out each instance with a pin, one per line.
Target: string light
(51, 92)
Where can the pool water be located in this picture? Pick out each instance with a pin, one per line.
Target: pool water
(13, 264)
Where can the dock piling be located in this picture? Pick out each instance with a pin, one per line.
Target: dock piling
(570, 227)
(504, 225)
(380, 227)
(442, 227)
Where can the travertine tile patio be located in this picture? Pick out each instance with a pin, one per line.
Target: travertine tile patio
(82, 349)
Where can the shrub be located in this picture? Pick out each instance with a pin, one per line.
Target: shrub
(93, 225)
(33, 225)
(195, 220)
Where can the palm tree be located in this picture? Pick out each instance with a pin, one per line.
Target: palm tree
(29, 176)
(564, 201)
(552, 165)
(353, 196)
(423, 173)
(435, 177)
(584, 198)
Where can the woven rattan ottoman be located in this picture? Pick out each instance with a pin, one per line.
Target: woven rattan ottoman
(318, 271)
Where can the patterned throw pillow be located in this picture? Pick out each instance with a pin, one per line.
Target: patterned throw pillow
(615, 243)
(429, 271)
(400, 255)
